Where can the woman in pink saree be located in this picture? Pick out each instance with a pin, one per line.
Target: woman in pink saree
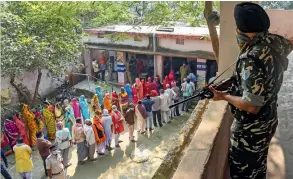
(22, 129)
(11, 131)
(139, 88)
(76, 108)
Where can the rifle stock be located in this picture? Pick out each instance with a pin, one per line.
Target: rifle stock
(224, 85)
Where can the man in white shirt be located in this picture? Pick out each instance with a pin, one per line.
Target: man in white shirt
(63, 139)
(165, 103)
(172, 95)
(90, 139)
(95, 68)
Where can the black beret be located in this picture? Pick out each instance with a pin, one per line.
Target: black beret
(250, 17)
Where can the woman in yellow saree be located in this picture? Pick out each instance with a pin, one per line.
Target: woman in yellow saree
(50, 121)
(31, 124)
(95, 104)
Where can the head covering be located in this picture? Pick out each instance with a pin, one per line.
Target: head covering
(95, 99)
(114, 108)
(250, 17)
(149, 79)
(105, 112)
(102, 60)
(154, 93)
(129, 91)
(173, 84)
(59, 125)
(100, 94)
(87, 121)
(171, 75)
(66, 102)
(114, 95)
(137, 82)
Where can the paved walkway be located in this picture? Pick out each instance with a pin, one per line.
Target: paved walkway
(280, 159)
(119, 163)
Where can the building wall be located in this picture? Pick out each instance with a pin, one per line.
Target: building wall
(93, 38)
(281, 23)
(189, 45)
(29, 79)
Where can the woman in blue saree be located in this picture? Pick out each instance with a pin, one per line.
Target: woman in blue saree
(84, 107)
(100, 96)
(128, 91)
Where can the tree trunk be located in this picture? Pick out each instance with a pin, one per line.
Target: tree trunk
(212, 29)
(37, 86)
(22, 96)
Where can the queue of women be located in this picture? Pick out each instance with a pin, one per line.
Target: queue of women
(144, 103)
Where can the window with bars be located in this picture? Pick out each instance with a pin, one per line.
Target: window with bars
(180, 41)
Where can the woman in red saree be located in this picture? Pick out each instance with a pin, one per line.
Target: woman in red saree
(139, 88)
(115, 100)
(5, 146)
(139, 66)
(150, 86)
(165, 82)
(117, 124)
(144, 88)
(11, 131)
(22, 129)
(134, 94)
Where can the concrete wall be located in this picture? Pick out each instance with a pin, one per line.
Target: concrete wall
(281, 22)
(29, 79)
(228, 45)
(93, 38)
(205, 157)
(189, 45)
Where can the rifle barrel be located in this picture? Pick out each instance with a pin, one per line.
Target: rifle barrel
(183, 101)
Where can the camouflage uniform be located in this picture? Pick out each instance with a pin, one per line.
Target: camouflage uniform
(259, 80)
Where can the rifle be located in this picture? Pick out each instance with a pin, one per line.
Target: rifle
(227, 85)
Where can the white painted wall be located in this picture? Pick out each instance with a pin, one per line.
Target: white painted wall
(189, 45)
(93, 38)
(29, 79)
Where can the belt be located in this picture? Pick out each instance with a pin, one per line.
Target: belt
(58, 173)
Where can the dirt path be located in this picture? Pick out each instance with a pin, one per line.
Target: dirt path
(118, 163)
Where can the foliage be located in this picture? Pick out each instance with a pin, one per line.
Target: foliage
(167, 13)
(42, 36)
(282, 5)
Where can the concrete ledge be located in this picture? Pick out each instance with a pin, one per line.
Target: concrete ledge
(199, 154)
(172, 159)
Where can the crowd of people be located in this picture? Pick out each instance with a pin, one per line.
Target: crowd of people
(53, 129)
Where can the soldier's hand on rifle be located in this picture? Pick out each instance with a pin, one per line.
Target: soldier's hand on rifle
(218, 95)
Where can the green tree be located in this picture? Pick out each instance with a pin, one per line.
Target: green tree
(48, 35)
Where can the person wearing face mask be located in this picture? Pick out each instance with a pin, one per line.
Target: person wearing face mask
(63, 139)
(118, 127)
(259, 75)
(90, 139)
(54, 164)
(43, 146)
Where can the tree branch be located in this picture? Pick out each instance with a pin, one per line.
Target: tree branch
(212, 29)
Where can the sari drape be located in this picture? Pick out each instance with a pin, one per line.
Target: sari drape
(11, 131)
(22, 129)
(50, 122)
(30, 122)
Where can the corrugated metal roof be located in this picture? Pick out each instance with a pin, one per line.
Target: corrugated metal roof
(189, 31)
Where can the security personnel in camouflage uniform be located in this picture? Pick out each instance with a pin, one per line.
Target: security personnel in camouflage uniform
(259, 74)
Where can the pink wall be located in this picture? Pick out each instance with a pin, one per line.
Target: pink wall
(281, 22)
